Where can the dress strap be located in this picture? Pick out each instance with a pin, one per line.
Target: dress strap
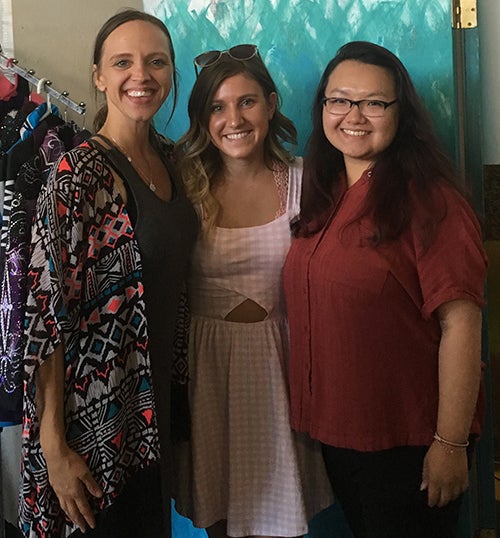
(280, 174)
(295, 185)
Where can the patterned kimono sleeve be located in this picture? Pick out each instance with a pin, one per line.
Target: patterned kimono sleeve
(54, 275)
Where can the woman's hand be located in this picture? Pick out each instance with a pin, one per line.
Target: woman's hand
(72, 482)
(445, 471)
(445, 474)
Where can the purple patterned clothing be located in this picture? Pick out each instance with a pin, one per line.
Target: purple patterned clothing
(30, 167)
(86, 291)
(13, 292)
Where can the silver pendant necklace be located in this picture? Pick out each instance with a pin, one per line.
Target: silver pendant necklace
(142, 175)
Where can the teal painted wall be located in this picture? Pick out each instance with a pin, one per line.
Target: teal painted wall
(297, 38)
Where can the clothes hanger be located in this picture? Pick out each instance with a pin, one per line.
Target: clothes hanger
(39, 87)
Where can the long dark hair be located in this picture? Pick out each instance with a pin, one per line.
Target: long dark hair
(123, 16)
(414, 160)
(200, 159)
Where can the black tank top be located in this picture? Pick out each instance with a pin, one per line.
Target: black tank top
(165, 232)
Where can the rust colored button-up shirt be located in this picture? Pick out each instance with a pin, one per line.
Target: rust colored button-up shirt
(364, 337)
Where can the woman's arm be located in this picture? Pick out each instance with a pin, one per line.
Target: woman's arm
(69, 476)
(445, 472)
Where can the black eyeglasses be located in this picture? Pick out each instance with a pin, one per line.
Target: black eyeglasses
(238, 52)
(371, 108)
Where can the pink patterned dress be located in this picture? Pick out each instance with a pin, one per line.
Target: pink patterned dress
(246, 465)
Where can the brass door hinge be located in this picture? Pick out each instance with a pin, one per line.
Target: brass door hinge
(464, 14)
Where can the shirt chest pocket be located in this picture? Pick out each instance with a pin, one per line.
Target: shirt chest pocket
(352, 263)
(356, 278)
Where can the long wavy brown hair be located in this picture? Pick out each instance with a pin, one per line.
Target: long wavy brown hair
(199, 159)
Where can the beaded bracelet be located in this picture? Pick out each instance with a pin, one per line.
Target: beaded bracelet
(443, 441)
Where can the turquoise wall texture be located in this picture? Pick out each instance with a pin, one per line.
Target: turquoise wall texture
(296, 39)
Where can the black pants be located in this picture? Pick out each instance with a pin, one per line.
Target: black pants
(138, 512)
(380, 495)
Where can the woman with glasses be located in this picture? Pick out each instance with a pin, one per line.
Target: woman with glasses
(384, 289)
(251, 476)
(111, 243)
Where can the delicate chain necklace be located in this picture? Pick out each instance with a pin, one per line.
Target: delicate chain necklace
(142, 175)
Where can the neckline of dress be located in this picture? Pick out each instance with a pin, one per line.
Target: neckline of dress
(223, 228)
(278, 168)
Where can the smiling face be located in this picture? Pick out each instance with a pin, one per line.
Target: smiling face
(239, 118)
(359, 138)
(135, 71)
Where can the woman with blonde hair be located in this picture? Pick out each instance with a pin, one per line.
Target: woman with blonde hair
(250, 475)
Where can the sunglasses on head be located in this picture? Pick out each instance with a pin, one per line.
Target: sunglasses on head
(211, 57)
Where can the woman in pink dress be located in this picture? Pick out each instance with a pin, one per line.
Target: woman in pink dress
(250, 474)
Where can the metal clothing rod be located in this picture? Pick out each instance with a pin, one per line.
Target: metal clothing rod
(12, 65)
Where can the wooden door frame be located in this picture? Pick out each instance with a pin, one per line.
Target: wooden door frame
(478, 518)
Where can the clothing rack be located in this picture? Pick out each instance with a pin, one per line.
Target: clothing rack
(11, 65)
(29, 75)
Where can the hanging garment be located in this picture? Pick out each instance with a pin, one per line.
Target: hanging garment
(30, 161)
(11, 125)
(15, 102)
(8, 88)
